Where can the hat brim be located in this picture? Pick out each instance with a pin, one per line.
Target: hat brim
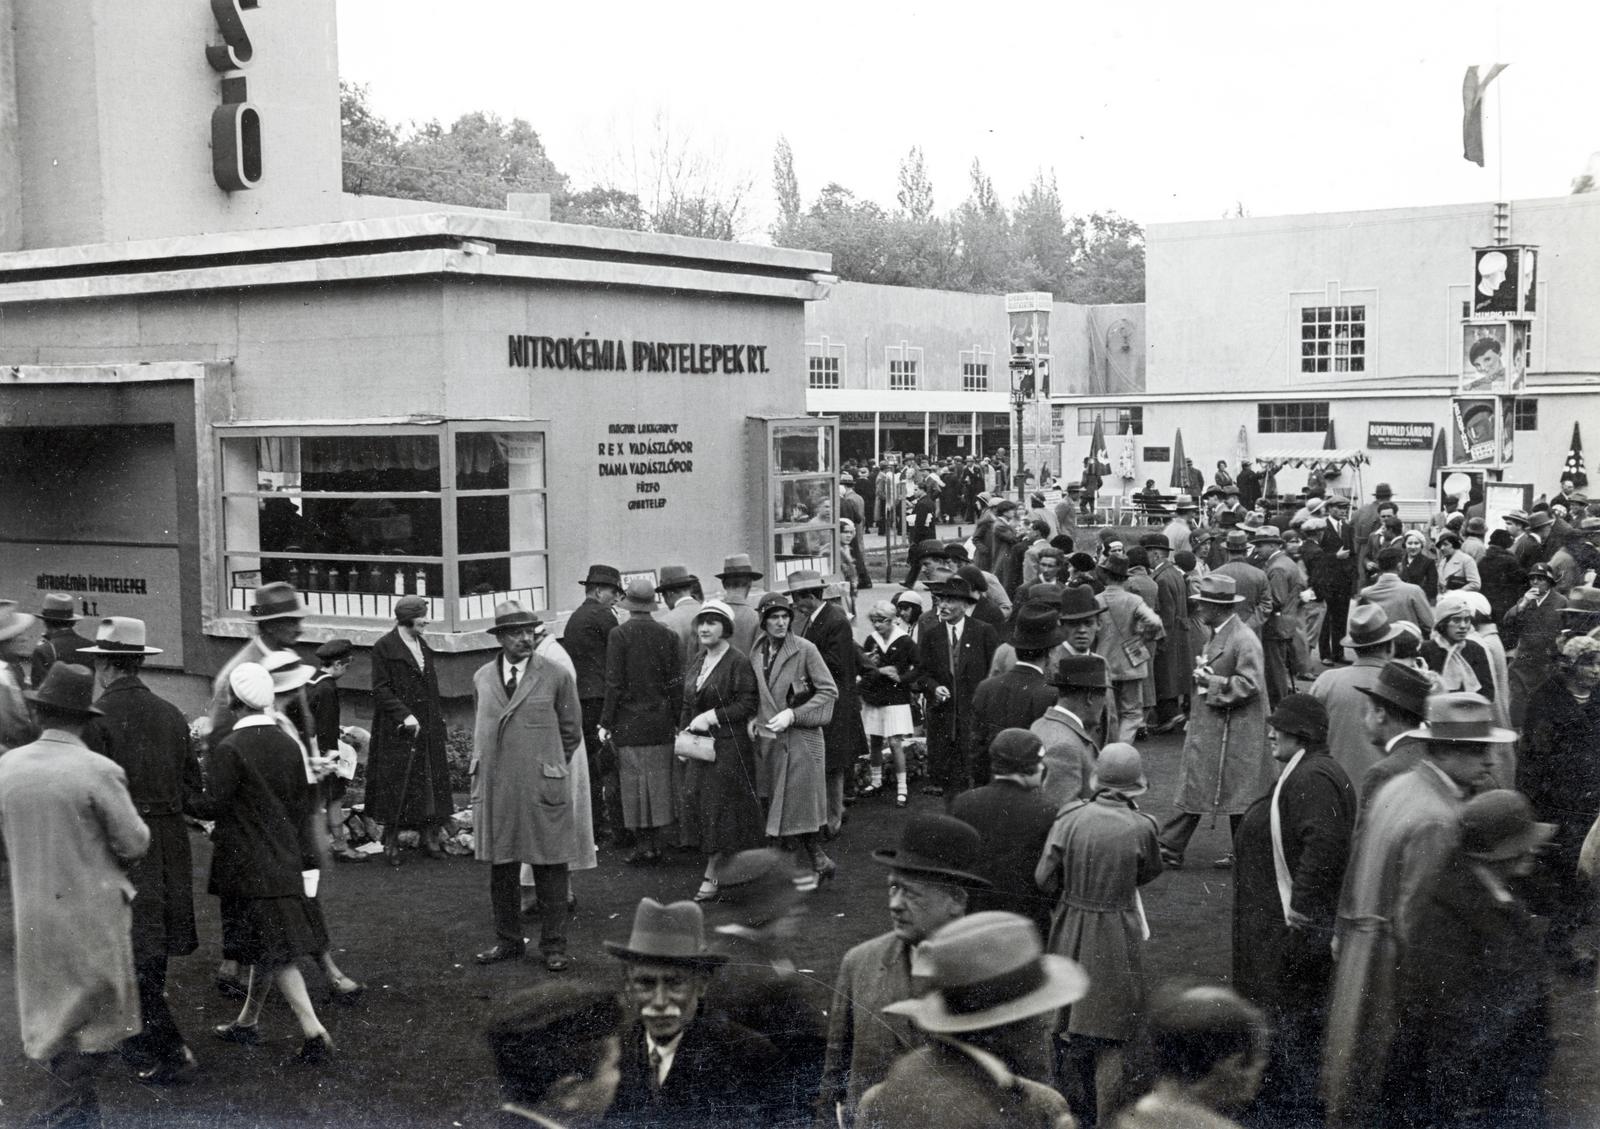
(119, 651)
(496, 629)
(292, 613)
(698, 960)
(740, 574)
(20, 622)
(1074, 617)
(52, 616)
(292, 679)
(1223, 601)
(893, 861)
(74, 711)
(1494, 735)
(1065, 983)
(1394, 632)
(1535, 836)
(633, 605)
(1139, 789)
(1417, 710)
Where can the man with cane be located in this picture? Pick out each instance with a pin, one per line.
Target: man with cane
(1226, 762)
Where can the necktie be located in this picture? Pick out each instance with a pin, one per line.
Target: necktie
(511, 681)
(655, 1069)
(954, 643)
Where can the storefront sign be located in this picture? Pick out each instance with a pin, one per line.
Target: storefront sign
(236, 124)
(1399, 436)
(646, 452)
(590, 354)
(1158, 454)
(104, 580)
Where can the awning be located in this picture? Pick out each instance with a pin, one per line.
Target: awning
(1305, 456)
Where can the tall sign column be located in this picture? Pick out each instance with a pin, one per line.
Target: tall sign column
(1029, 315)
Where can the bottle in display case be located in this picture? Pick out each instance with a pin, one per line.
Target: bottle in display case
(422, 581)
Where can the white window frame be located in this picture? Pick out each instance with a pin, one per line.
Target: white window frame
(825, 350)
(908, 358)
(1334, 296)
(971, 360)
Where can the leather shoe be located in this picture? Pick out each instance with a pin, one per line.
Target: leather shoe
(243, 1035)
(313, 1052)
(501, 952)
(170, 1072)
(557, 962)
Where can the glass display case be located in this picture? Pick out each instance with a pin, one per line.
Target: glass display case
(795, 461)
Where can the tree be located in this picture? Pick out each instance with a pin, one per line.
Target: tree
(984, 261)
(916, 190)
(786, 187)
(684, 186)
(1044, 250)
(1110, 265)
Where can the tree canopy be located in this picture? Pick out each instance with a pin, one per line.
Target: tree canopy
(980, 245)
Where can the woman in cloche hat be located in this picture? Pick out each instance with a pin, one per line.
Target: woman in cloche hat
(408, 775)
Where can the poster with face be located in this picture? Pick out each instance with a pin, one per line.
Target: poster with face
(1494, 356)
(1472, 430)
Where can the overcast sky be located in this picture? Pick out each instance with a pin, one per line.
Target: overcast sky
(1161, 111)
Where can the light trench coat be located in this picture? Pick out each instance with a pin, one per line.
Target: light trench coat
(1232, 711)
(794, 761)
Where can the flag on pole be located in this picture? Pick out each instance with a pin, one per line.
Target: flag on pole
(1327, 441)
(1574, 464)
(1178, 459)
(1472, 91)
(1439, 458)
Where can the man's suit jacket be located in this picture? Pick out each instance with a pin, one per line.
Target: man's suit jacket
(1014, 822)
(978, 644)
(1332, 576)
(584, 639)
(1400, 600)
(721, 1076)
(1251, 583)
(644, 683)
(1283, 578)
(1069, 754)
(829, 631)
(863, 1042)
(1015, 699)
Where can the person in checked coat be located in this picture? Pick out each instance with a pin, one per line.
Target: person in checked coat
(526, 729)
(1226, 762)
(1292, 846)
(70, 830)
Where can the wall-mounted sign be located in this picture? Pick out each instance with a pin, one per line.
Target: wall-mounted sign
(1505, 280)
(592, 354)
(1399, 436)
(1158, 454)
(236, 124)
(104, 580)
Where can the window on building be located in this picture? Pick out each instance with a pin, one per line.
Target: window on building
(1527, 415)
(1113, 420)
(1333, 339)
(902, 375)
(356, 518)
(1291, 415)
(974, 376)
(822, 372)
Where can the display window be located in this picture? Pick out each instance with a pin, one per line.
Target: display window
(803, 510)
(356, 518)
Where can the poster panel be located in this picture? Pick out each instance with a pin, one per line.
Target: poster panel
(104, 580)
(1494, 356)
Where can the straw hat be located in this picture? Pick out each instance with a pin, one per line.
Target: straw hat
(1462, 717)
(119, 635)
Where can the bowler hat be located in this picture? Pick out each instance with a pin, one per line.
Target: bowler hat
(1015, 751)
(640, 596)
(1401, 687)
(737, 566)
(1115, 565)
(1078, 601)
(1499, 824)
(805, 580)
(956, 588)
(755, 887)
(1218, 588)
(1303, 716)
(510, 615)
(1462, 717)
(277, 601)
(1267, 533)
(603, 574)
(334, 650)
(69, 689)
(1120, 769)
(13, 622)
(1156, 541)
(1369, 627)
(1045, 592)
(974, 578)
(773, 602)
(58, 608)
(1036, 627)
(1080, 672)
(675, 576)
(671, 934)
(1382, 490)
(287, 670)
(718, 610)
(119, 635)
(938, 846)
(989, 969)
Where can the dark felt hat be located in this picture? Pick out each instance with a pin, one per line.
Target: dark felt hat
(603, 574)
(1156, 541)
(554, 1013)
(1015, 750)
(1080, 672)
(671, 934)
(334, 650)
(1036, 627)
(59, 608)
(737, 566)
(1369, 627)
(938, 846)
(675, 576)
(930, 548)
(1402, 687)
(957, 551)
(510, 615)
(1499, 824)
(755, 887)
(69, 689)
(1078, 601)
(956, 587)
(1115, 565)
(1302, 715)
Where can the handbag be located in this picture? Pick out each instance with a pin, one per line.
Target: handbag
(694, 746)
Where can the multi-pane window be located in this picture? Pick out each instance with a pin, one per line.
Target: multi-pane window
(1527, 415)
(974, 376)
(1113, 420)
(822, 372)
(356, 518)
(902, 375)
(1291, 415)
(1333, 339)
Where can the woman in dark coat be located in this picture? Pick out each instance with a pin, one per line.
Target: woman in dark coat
(720, 697)
(1418, 567)
(256, 785)
(408, 778)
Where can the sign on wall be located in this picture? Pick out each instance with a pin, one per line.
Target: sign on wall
(1157, 454)
(104, 580)
(1390, 436)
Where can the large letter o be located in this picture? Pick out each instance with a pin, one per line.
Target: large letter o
(236, 146)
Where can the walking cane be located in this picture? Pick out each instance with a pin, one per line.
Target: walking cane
(1222, 760)
(391, 834)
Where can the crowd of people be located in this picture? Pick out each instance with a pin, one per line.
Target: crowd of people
(1399, 725)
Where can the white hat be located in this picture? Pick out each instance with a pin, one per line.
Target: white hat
(252, 685)
(287, 671)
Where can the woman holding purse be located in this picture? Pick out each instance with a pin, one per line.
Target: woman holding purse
(719, 699)
(797, 697)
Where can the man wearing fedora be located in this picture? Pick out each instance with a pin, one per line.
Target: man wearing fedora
(1475, 1037)
(738, 578)
(953, 657)
(1074, 727)
(1226, 760)
(1532, 626)
(61, 643)
(1020, 696)
(16, 723)
(1249, 580)
(1127, 632)
(1100, 851)
(1364, 522)
(644, 693)
(990, 985)
(525, 732)
(1284, 581)
(1410, 829)
(1013, 817)
(679, 590)
(275, 611)
(827, 627)
(1395, 705)
(683, 1064)
(557, 1050)
(584, 638)
(70, 831)
(1291, 849)
(1371, 637)
(932, 872)
(1173, 657)
(148, 738)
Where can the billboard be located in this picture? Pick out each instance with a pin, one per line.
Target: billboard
(1480, 429)
(1494, 355)
(1505, 280)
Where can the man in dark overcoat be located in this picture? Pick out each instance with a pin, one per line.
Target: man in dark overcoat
(149, 739)
(1020, 696)
(826, 626)
(584, 639)
(1174, 662)
(1283, 920)
(953, 657)
(1532, 626)
(1333, 576)
(1013, 819)
(61, 642)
